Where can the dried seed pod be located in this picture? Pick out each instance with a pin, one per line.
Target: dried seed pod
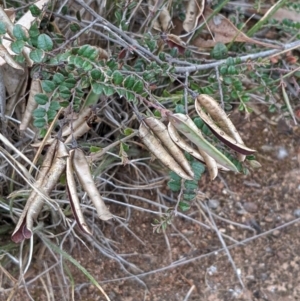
(50, 171)
(50, 180)
(211, 164)
(160, 130)
(73, 196)
(225, 130)
(186, 147)
(187, 127)
(155, 147)
(78, 132)
(81, 118)
(86, 180)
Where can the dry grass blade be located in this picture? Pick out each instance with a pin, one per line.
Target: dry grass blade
(7, 143)
(155, 147)
(73, 196)
(160, 130)
(86, 180)
(221, 125)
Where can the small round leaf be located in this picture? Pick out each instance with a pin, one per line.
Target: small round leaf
(2, 28)
(48, 86)
(44, 42)
(39, 123)
(17, 46)
(41, 99)
(37, 55)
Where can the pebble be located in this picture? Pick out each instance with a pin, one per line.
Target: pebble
(297, 212)
(282, 153)
(269, 219)
(213, 204)
(250, 207)
(276, 233)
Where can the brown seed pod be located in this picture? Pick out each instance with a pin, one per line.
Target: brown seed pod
(73, 196)
(211, 164)
(161, 131)
(86, 180)
(156, 148)
(221, 125)
(186, 147)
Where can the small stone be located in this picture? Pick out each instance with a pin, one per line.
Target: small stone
(269, 219)
(213, 204)
(250, 207)
(276, 233)
(282, 153)
(297, 212)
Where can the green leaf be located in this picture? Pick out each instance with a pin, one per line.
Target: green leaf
(48, 86)
(184, 206)
(97, 88)
(54, 105)
(94, 149)
(96, 74)
(128, 131)
(88, 51)
(78, 16)
(117, 77)
(84, 82)
(35, 11)
(2, 28)
(180, 108)
(191, 185)
(69, 83)
(199, 122)
(138, 87)
(64, 92)
(129, 82)
(17, 46)
(78, 61)
(64, 10)
(174, 176)
(51, 114)
(37, 55)
(74, 27)
(41, 99)
(198, 169)
(20, 32)
(87, 66)
(39, 113)
(44, 42)
(58, 78)
(129, 96)
(108, 91)
(174, 185)
(39, 123)
(189, 196)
